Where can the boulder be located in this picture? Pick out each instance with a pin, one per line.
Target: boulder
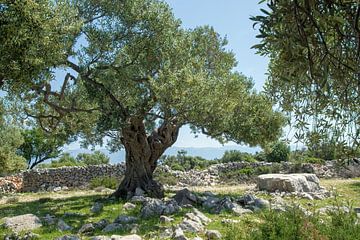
(165, 219)
(179, 234)
(101, 224)
(300, 182)
(129, 206)
(156, 207)
(204, 219)
(184, 197)
(213, 234)
(97, 207)
(124, 219)
(23, 222)
(63, 226)
(87, 229)
(189, 225)
(49, 219)
(113, 227)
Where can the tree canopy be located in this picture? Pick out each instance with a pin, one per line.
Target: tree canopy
(39, 146)
(314, 70)
(10, 140)
(133, 76)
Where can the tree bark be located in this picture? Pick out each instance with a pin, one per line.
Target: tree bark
(142, 153)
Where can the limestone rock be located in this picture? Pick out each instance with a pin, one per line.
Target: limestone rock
(124, 219)
(189, 225)
(128, 237)
(97, 207)
(112, 227)
(165, 219)
(129, 206)
(49, 219)
(210, 202)
(179, 234)
(23, 222)
(156, 207)
(100, 238)
(63, 226)
(204, 219)
(101, 224)
(87, 229)
(300, 182)
(213, 234)
(261, 203)
(184, 197)
(238, 210)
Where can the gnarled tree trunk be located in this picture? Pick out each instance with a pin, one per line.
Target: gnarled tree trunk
(142, 153)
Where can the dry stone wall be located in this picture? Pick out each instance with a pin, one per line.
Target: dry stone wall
(71, 177)
(76, 177)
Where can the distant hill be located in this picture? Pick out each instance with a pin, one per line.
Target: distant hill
(206, 152)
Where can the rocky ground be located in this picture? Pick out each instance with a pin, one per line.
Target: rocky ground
(194, 213)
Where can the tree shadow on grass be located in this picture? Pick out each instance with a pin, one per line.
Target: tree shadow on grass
(45, 206)
(355, 186)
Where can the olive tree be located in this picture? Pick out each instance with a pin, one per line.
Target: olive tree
(134, 77)
(314, 70)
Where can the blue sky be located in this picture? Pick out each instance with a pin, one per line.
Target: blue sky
(230, 18)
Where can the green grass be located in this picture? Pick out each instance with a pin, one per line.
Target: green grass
(57, 204)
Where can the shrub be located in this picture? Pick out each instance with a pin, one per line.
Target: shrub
(237, 156)
(183, 162)
(108, 182)
(82, 159)
(294, 224)
(313, 160)
(279, 152)
(95, 158)
(165, 178)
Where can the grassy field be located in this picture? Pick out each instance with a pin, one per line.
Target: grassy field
(40, 204)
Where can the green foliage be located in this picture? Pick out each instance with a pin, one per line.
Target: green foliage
(278, 152)
(64, 161)
(82, 159)
(237, 156)
(314, 65)
(321, 145)
(39, 146)
(247, 173)
(182, 162)
(294, 224)
(166, 178)
(137, 64)
(10, 140)
(313, 160)
(95, 158)
(35, 36)
(108, 182)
